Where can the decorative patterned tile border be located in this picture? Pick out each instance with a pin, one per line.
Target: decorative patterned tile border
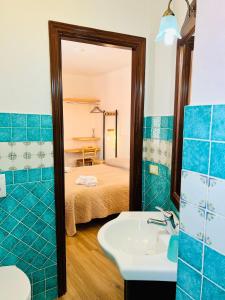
(157, 151)
(25, 155)
(202, 212)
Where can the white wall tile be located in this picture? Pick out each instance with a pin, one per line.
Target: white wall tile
(192, 219)
(19, 148)
(216, 196)
(5, 149)
(47, 161)
(215, 236)
(47, 147)
(194, 188)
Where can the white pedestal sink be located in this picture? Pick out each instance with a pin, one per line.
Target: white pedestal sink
(139, 249)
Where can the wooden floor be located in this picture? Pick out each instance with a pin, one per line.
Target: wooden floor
(90, 274)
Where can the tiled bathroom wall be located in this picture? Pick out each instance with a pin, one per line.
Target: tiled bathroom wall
(27, 213)
(201, 266)
(157, 150)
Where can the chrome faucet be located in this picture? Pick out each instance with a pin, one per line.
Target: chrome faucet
(168, 221)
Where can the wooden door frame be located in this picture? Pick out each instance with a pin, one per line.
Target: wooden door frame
(61, 31)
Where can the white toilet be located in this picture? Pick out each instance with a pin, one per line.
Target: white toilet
(14, 284)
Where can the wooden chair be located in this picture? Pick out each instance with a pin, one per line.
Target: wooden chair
(89, 155)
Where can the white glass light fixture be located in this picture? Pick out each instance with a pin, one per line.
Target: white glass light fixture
(169, 31)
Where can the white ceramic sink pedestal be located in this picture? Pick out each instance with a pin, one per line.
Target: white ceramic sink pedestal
(139, 249)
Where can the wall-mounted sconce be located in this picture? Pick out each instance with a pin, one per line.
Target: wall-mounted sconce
(169, 31)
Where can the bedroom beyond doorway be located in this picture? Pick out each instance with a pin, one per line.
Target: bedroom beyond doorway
(97, 118)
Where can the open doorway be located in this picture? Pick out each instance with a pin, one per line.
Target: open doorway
(101, 140)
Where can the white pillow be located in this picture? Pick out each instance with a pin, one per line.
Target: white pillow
(123, 163)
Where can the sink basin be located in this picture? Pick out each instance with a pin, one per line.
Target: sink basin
(139, 249)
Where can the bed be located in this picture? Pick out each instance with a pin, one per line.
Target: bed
(109, 196)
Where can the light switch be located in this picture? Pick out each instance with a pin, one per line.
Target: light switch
(154, 169)
(2, 186)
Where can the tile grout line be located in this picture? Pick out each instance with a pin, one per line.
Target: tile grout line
(207, 195)
(185, 292)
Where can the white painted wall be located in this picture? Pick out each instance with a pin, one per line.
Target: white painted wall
(77, 86)
(209, 55)
(114, 90)
(162, 101)
(24, 51)
(78, 122)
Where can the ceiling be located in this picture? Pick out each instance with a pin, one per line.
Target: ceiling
(92, 60)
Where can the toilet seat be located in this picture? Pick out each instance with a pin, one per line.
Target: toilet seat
(14, 284)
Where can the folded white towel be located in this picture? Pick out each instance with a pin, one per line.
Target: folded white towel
(87, 180)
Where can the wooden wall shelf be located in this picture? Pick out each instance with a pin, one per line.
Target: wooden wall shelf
(81, 100)
(80, 150)
(86, 139)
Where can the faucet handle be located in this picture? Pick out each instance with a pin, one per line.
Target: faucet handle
(169, 219)
(166, 214)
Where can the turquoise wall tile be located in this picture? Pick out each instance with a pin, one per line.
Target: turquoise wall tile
(38, 275)
(170, 122)
(210, 291)
(46, 121)
(190, 250)
(180, 295)
(8, 203)
(8, 176)
(20, 212)
(196, 156)
(51, 283)
(5, 120)
(29, 240)
(46, 135)
(5, 134)
(51, 294)
(148, 122)
(189, 280)
(33, 120)
(19, 134)
(34, 175)
(19, 120)
(51, 271)
(164, 122)
(218, 123)
(25, 127)
(33, 134)
(197, 122)
(147, 133)
(214, 266)
(30, 219)
(47, 173)
(156, 189)
(38, 287)
(20, 176)
(40, 296)
(217, 162)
